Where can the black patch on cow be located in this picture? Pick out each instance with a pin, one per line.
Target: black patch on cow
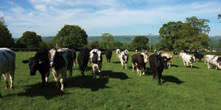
(219, 59)
(59, 61)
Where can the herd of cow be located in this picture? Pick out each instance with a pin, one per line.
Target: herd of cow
(59, 61)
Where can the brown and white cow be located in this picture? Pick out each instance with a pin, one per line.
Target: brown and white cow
(139, 62)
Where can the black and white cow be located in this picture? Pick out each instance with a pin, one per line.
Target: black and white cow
(7, 66)
(157, 65)
(96, 61)
(108, 55)
(123, 56)
(139, 61)
(58, 63)
(40, 62)
(213, 60)
(83, 58)
(69, 56)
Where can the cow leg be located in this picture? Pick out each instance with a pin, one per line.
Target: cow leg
(70, 71)
(94, 71)
(126, 66)
(159, 78)
(208, 66)
(154, 75)
(55, 75)
(47, 77)
(133, 67)
(43, 80)
(62, 80)
(5, 76)
(11, 76)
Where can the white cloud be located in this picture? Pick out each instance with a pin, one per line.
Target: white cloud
(40, 7)
(48, 17)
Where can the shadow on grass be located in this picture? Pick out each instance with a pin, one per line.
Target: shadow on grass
(172, 79)
(111, 74)
(116, 62)
(51, 91)
(173, 65)
(195, 67)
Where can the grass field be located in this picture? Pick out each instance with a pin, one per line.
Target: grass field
(183, 89)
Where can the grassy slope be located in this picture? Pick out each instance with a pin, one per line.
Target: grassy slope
(184, 88)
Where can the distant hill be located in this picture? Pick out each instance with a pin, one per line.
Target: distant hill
(154, 39)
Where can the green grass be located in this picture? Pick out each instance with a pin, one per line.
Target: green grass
(183, 89)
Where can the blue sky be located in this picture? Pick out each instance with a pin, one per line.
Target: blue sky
(118, 17)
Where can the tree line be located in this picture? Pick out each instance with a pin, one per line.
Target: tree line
(175, 35)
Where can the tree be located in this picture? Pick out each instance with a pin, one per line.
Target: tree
(107, 41)
(71, 36)
(192, 34)
(6, 39)
(29, 39)
(94, 44)
(140, 42)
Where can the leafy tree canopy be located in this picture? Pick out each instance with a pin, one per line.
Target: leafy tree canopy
(140, 42)
(29, 39)
(6, 39)
(192, 34)
(71, 36)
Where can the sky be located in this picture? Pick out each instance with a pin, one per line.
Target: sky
(117, 17)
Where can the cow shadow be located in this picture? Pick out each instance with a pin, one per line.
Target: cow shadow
(172, 79)
(117, 62)
(86, 82)
(111, 74)
(51, 90)
(195, 67)
(174, 65)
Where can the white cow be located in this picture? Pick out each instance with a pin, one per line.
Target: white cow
(7, 65)
(187, 59)
(123, 56)
(213, 60)
(96, 61)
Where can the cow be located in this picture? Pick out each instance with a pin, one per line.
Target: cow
(96, 61)
(40, 62)
(123, 56)
(58, 64)
(213, 60)
(188, 59)
(175, 53)
(83, 58)
(7, 66)
(157, 64)
(69, 56)
(168, 56)
(108, 55)
(139, 61)
(198, 55)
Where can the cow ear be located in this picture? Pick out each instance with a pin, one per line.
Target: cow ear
(25, 61)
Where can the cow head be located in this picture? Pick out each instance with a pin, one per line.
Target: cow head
(117, 51)
(33, 64)
(163, 61)
(96, 56)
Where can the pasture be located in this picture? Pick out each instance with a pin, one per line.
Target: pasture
(182, 89)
